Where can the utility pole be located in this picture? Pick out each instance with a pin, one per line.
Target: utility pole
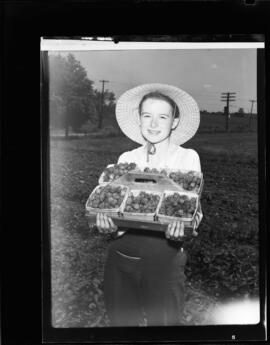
(227, 97)
(250, 115)
(101, 103)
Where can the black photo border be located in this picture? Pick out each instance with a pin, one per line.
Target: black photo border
(23, 24)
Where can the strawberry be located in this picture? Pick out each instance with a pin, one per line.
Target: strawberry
(117, 170)
(188, 181)
(178, 206)
(142, 203)
(107, 197)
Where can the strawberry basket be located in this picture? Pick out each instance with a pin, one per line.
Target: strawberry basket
(141, 204)
(176, 205)
(114, 171)
(106, 199)
(163, 171)
(191, 181)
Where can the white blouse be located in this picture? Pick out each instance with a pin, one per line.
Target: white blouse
(177, 158)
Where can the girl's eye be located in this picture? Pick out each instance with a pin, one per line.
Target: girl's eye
(146, 115)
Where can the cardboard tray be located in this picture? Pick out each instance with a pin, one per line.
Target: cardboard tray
(197, 190)
(147, 181)
(140, 224)
(152, 182)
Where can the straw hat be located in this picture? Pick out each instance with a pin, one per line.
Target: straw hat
(127, 112)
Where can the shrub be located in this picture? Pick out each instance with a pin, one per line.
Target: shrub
(108, 131)
(88, 127)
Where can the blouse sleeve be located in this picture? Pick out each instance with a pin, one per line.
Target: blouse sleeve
(197, 167)
(124, 158)
(198, 215)
(196, 161)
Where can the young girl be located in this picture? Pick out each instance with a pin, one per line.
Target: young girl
(144, 272)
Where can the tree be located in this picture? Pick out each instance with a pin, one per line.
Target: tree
(71, 93)
(108, 103)
(241, 112)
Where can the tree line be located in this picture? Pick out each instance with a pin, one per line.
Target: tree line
(73, 101)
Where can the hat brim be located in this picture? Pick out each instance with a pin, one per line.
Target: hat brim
(127, 112)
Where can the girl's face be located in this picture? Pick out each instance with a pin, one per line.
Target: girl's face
(156, 120)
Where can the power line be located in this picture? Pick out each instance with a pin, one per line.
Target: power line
(101, 103)
(116, 82)
(227, 97)
(122, 83)
(250, 116)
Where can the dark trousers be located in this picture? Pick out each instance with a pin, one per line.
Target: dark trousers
(144, 280)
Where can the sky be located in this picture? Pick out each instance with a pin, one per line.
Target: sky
(203, 73)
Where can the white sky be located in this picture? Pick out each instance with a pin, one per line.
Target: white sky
(204, 73)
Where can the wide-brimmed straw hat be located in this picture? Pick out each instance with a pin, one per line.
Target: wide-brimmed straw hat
(127, 112)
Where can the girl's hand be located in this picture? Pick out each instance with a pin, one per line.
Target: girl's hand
(196, 223)
(175, 230)
(105, 224)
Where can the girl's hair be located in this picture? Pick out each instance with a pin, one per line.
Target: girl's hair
(159, 95)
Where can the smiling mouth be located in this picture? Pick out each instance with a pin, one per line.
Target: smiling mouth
(153, 132)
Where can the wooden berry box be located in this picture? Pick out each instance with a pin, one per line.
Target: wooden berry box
(147, 172)
(185, 174)
(140, 224)
(150, 182)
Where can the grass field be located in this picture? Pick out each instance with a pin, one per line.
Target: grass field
(243, 143)
(228, 232)
(218, 123)
(208, 124)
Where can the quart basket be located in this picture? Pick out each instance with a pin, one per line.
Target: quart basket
(197, 174)
(139, 215)
(166, 219)
(108, 211)
(102, 176)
